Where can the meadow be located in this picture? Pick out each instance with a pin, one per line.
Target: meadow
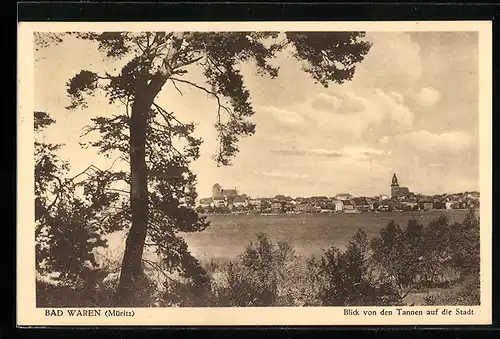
(227, 235)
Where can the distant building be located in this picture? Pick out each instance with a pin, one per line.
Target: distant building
(219, 192)
(338, 205)
(219, 202)
(320, 199)
(281, 197)
(385, 205)
(304, 207)
(428, 205)
(396, 190)
(226, 197)
(348, 205)
(240, 202)
(408, 205)
(255, 202)
(473, 195)
(207, 202)
(361, 204)
(276, 207)
(371, 202)
(230, 193)
(288, 206)
(343, 196)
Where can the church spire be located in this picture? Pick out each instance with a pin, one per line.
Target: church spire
(394, 180)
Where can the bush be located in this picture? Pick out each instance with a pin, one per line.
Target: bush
(100, 295)
(464, 293)
(441, 254)
(399, 255)
(262, 276)
(465, 246)
(348, 279)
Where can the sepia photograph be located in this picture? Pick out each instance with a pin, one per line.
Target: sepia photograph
(235, 169)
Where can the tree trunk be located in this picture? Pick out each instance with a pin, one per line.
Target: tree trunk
(131, 271)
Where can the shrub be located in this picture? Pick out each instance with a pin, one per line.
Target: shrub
(399, 255)
(465, 246)
(189, 287)
(464, 293)
(348, 278)
(438, 255)
(100, 295)
(265, 274)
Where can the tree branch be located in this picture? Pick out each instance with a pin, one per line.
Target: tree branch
(58, 192)
(175, 85)
(206, 91)
(406, 294)
(194, 85)
(63, 185)
(162, 112)
(85, 172)
(186, 63)
(114, 161)
(158, 268)
(215, 65)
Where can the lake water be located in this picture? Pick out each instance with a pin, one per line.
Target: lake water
(227, 235)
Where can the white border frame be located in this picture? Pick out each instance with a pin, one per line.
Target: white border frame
(28, 314)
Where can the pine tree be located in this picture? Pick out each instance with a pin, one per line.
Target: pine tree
(160, 183)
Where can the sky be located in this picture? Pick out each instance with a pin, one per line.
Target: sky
(411, 109)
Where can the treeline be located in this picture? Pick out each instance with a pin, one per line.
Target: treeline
(383, 271)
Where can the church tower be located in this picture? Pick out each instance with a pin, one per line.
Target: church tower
(394, 186)
(217, 191)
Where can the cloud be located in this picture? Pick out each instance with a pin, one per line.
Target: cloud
(393, 62)
(390, 106)
(303, 152)
(283, 115)
(429, 96)
(285, 175)
(384, 140)
(353, 167)
(325, 102)
(354, 152)
(447, 142)
(347, 103)
(369, 106)
(361, 152)
(370, 109)
(400, 98)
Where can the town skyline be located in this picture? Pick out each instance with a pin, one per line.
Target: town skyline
(387, 194)
(229, 200)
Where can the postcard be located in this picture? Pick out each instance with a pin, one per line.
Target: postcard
(254, 173)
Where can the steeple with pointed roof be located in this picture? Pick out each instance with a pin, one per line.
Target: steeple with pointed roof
(396, 190)
(394, 180)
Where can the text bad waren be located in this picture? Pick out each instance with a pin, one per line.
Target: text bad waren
(89, 313)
